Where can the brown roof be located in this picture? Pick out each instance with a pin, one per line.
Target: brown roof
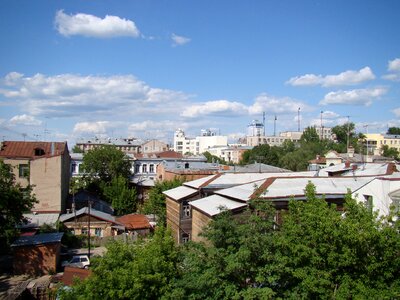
(32, 150)
(70, 273)
(134, 221)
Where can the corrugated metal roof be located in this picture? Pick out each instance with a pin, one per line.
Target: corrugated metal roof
(287, 187)
(363, 169)
(18, 149)
(180, 192)
(39, 239)
(134, 221)
(242, 192)
(198, 182)
(257, 167)
(93, 212)
(213, 205)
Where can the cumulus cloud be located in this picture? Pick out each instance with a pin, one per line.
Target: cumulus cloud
(25, 120)
(73, 95)
(217, 107)
(92, 26)
(353, 97)
(394, 65)
(179, 40)
(396, 111)
(98, 127)
(345, 78)
(276, 105)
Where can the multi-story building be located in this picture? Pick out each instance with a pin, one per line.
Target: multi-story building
(375, 141)
(199, 144)
(128, 145)
(43, 165)
(231, 154)
(152, 146)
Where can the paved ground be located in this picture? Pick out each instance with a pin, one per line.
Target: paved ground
(93, 251)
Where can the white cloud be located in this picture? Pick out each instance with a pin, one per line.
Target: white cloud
(345, 78)
(98, 127)
(353, 97)
(392, 77)
(179, 40)
(92, 26)
(25, 120)
(68, 95)
(217, 107)
(394, 65)
(275, 105)
(396, 111)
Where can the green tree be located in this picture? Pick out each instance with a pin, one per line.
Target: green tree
(106, 162)
(393, 130)
(309, 135)
(262, 154)
(321, 253)
(14, 201)
(142, 270)
(76, 149)
(122, 198)
(390, 152)
(155, 204)
(213, 159)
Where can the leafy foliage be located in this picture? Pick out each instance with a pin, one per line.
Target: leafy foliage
(14, 201)
(155, 204)
(122, 198)
(76, 149)
(105, 163)
(213, 159)
(393, 130)
(142, 270)
(390, 152)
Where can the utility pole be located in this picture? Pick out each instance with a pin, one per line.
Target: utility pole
(264, 122)
(89, 204)
(298, 120)
(321, 134)
(348, 132)
(275, 125)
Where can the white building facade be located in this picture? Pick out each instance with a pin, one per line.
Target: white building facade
(199, 144)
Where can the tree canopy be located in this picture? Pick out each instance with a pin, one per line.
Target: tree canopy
(315, 252)
(105, 163)
(393, 130)
(14, 201)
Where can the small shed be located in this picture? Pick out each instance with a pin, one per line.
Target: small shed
(37, 254)
(135, 224)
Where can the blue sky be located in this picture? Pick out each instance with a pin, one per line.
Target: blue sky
(71, 69)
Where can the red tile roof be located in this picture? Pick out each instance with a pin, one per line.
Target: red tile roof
(134, 221)
(17, 149)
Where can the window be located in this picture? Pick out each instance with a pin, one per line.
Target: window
(137, 168)
(185, 237)
(97, 231)
(23, 170)
(144, 168)
(84, 230)
(39, 152)
(151, 168)
(73, 168)
(84, 259)
(185, 209)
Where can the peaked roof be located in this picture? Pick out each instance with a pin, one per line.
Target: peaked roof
(32, 150)
(93, 212)
(134, 221)
(163, 154)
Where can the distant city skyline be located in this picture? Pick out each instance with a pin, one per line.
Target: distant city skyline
(72, 69)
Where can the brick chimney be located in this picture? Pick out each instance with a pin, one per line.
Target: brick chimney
(347, 164)
(350, 151)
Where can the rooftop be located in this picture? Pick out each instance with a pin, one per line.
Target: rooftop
(134, 221)
(39, 239)
(31, 150)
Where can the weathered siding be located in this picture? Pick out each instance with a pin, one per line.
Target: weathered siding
(173, 217)
(36, 260)
(199, 222)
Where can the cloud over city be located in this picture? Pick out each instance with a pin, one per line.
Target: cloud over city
(93, 26)
(349, 77)
(361, 97)
(179, 40)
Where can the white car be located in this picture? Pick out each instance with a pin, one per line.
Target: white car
(77, 261)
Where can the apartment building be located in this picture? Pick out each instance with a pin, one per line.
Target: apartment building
(126, 145)
(375, 141)
(199, 144)
(43, 165)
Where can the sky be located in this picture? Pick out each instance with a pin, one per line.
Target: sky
(79, 69)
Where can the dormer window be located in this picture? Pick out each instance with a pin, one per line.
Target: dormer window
(39, 152)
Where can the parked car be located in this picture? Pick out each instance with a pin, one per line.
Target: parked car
(77, 261)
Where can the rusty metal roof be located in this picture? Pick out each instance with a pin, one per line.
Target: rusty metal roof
(32, 150)
(134, 221)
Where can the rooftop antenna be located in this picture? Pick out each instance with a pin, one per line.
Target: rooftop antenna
(264, 122)
(298, 120)
(24, 135)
